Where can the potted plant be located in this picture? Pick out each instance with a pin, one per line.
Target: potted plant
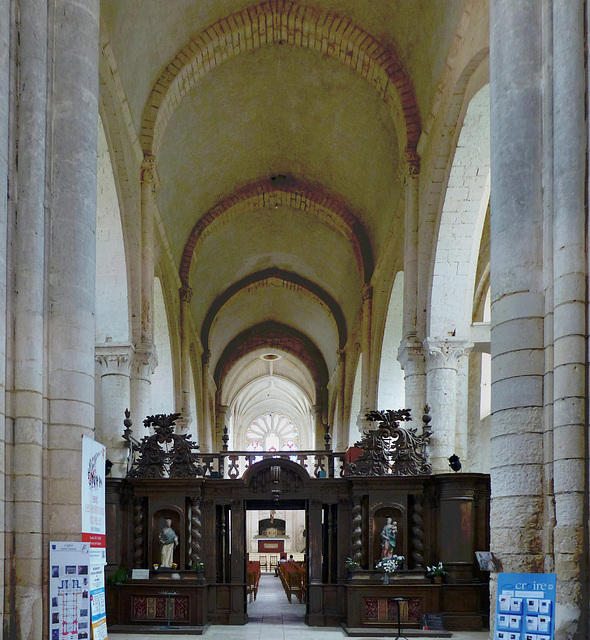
(199, 568)
(388, 566)
(351, 565)
(118, 576)
(436, 572)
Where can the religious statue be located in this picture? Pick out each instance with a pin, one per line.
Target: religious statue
(169, 541)
(388, 538)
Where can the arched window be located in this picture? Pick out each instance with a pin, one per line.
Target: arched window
(272, 432)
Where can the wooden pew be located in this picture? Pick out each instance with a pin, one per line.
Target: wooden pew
(294, 580)
(252, 579)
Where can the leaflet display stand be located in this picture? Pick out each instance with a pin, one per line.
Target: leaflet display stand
(525, 606)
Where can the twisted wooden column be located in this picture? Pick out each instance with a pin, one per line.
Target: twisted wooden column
(196, 534)
(418, 533)
(357, 531)
(138, 546)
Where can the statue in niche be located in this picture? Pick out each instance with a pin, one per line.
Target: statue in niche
(388, 538)
(168, 541)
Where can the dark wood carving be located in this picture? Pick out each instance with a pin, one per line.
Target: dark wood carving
(165, 453)
(138, 533)
(418, 533)
(390, 449)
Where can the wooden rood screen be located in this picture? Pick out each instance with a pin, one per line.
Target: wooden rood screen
(294, 579)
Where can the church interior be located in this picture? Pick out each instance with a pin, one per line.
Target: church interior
(238, 240)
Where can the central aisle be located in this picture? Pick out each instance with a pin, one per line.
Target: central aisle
(271, 605)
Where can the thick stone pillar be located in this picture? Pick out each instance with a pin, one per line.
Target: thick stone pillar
(149, 185)
(29, 327)
(570, 140)
(442, 376)
(5, 93)
(143, 365)
(72, 261)
(220, 423)
(411, 357)
(115, 367)
(516, 222)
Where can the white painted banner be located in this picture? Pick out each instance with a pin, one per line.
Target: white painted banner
(93, 492)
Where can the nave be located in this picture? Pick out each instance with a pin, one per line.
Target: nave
(272, 617)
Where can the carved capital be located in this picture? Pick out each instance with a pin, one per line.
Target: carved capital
(186, 293)
(445, 353)
(409, 166)
(114, 359)
(145, 360)
(149, 174)
(411, 355)
(367, 292)
(206, 358)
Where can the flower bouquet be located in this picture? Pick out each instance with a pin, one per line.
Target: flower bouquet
(388, 566)
(351, 564)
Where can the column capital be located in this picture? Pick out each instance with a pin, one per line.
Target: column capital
(114, 358)
(410, 350)
(445, 353)
(149, 173)
(409, 166)
(185, 293)
(367, 292)
(145, 360)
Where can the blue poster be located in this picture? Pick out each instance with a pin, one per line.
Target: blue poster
(525, 606)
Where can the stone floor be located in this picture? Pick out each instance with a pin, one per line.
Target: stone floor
(273, 618)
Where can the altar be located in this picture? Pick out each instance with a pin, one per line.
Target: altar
(271, 545)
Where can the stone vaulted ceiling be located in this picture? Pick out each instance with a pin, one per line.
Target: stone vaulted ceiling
(278, 129)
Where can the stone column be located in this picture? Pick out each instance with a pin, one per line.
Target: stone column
(442, 374)
(186, 295)
(411, 357)
(368, 395)
(149, 184)
(410, 354)
(516, 226)
(29, 327)
(319, 427)
(570, 140)
(5, 93)
(143, 365)
(220, 423)
(115, 367)
(205, 427)
(343, 425)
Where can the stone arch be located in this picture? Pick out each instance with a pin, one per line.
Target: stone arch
(286, 191)
(461, 224)
(279, 336)
(281, 22)
(288, 278)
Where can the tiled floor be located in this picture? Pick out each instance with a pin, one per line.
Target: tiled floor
(273, 618)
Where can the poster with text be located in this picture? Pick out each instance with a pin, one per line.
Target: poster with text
(69, 591)
(98, 602)
(525, 606)
(93, 492)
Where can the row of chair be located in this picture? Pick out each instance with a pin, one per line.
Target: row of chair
(270, 564)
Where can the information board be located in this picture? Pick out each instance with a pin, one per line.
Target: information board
(69, 591)
(525, 606)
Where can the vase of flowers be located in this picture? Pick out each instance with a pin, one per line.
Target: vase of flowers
(436, 573)
(388, 566)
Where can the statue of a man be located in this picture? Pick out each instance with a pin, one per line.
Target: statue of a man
(169, 540)
(388, 538)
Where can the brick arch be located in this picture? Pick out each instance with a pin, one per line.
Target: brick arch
(286, 191)
(282, 22)
(279, 336)
(289, 279)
